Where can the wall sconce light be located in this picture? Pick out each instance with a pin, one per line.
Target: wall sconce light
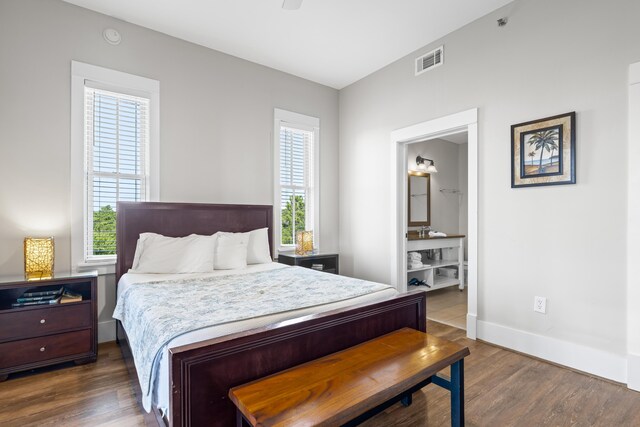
(304, 242)
(420, 163)
(38, 258)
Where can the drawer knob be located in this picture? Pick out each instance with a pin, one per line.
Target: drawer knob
(43, 321)
(42, 349)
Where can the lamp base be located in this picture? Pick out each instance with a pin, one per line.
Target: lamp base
(38, 275)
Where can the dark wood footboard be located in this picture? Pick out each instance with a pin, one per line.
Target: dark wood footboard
(202, 373)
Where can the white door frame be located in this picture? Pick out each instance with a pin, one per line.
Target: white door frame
(443, 126)
(633, 232)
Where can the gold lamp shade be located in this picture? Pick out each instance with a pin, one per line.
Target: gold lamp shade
(38, 257)
(304, 242)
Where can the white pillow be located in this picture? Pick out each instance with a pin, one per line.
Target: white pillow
(231, 251)
(156, 253)
(258, 247)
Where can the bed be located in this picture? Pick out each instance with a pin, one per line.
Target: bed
(195, 374)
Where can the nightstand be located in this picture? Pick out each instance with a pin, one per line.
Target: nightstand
(39, 335)
(328, 262)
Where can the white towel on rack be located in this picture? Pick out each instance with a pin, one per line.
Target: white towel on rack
(437, 234)
(414, 256)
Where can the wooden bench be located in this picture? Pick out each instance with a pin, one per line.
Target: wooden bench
(350, 386)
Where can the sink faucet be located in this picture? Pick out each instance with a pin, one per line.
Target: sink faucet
(422, 231)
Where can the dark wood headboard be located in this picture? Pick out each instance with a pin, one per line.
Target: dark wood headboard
(182, 219)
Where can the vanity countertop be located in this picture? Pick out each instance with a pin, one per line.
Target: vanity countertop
(413, 235)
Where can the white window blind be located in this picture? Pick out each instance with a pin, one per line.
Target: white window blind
(296, 183)
(116, 163)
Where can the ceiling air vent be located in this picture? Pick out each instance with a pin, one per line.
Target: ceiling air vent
(430, 60)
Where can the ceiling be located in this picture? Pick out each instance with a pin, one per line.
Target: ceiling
(332, 42)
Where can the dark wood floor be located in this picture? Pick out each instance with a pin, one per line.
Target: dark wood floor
(502, 389)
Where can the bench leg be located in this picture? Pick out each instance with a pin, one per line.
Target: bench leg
(457, 394)
(407, 399)
(239, 419)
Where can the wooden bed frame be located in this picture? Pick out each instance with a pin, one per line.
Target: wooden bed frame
(202, 373)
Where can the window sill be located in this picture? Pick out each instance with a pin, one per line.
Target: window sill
(103, 267)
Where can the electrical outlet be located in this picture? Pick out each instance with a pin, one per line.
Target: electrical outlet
(540, 305)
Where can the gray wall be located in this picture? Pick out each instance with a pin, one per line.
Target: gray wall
(216, 114)
(563, 242)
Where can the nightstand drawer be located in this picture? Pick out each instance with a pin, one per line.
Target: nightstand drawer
(35, 350)
(36, 322)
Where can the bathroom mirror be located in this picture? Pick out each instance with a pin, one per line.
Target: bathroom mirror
(419, 203)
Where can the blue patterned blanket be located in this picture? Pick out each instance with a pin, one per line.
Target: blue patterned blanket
(154, 313)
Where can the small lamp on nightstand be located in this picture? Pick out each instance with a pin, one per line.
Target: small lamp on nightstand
(38, 258)
(304, 242)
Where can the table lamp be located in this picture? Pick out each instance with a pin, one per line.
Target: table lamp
(304, 242)
(38, 258)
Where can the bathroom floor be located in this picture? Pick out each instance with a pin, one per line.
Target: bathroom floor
(448, 306)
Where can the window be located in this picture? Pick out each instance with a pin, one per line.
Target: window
(296, 177)
(116, 137)
(114, 156)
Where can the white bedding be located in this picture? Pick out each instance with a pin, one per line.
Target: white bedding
(160, 392)
(129, 279)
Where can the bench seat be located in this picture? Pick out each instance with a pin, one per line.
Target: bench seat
(351, 385)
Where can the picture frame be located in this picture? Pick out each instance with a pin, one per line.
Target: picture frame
(543, 151)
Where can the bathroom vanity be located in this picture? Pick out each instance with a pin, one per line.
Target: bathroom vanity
(446, 268)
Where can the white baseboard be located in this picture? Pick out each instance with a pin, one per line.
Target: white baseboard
(472, 326)
(577, 356)
(107, 331)
(633, 371)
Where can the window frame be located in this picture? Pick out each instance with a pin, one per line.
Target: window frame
(306, 123)
(119, 82)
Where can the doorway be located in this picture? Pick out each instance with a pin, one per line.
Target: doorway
(451, 127)
(443, 213)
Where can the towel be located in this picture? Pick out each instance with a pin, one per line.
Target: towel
(437, 234)
(414, 265)
(414, 256)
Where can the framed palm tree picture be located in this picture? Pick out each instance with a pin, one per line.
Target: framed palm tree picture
(543, 152)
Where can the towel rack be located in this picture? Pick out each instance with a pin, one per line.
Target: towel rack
(450, 191)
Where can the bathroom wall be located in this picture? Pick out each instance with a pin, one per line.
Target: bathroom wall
(450, 160)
